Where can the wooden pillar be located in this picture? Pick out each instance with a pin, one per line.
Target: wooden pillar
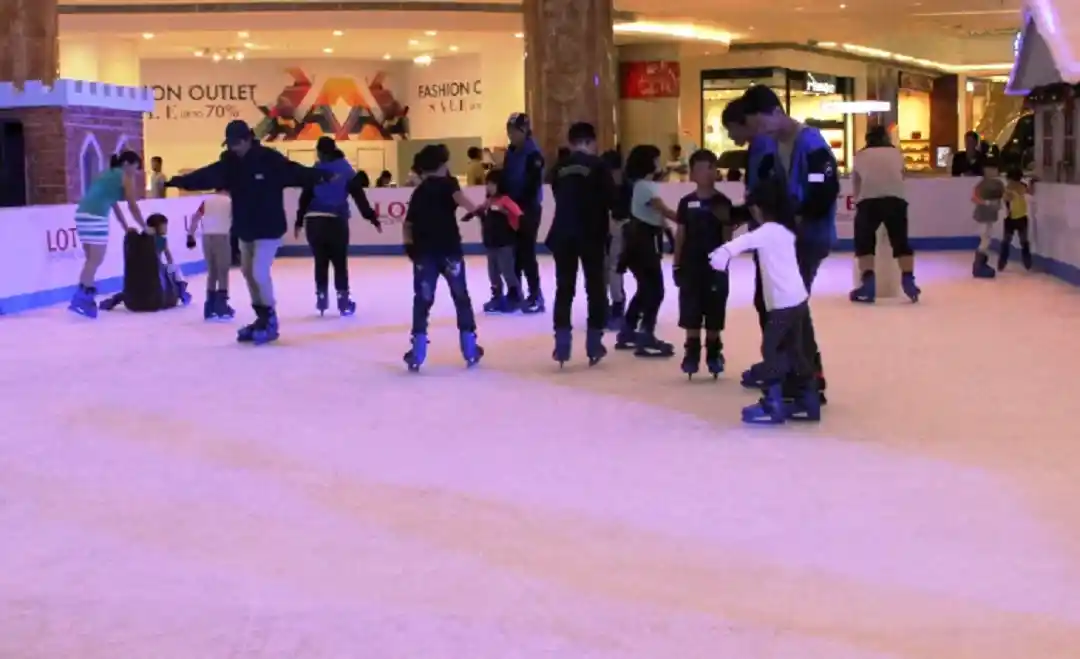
(569, 69)
(29, 47)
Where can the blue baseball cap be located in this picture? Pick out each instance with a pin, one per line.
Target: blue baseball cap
(237, 131)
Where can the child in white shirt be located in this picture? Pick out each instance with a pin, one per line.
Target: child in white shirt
(783, 356)
(215, 216)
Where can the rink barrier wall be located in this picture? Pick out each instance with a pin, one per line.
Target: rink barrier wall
(41, 258)
(1054, 210)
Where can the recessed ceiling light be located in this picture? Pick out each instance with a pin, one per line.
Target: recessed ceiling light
(328, 50)
(414, 42)
(243, 35)
(453, 49)
(217, 57)
(338, 33)
(431, 33)
(386, 56)
(843, 6)
(751, 27)
(239, 57)
(423, 60)
(519, 35)
(147, 35)
(248, 45)
(200, 53)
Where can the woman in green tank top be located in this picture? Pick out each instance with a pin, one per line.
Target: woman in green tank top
(104, 195)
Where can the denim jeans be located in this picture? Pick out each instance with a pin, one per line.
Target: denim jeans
(426, 273)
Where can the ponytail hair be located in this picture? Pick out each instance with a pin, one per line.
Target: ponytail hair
(125, 158)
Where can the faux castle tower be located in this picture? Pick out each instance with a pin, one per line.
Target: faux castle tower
(71, 129)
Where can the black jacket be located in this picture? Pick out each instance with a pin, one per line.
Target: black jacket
(255, 182)
(584, 194)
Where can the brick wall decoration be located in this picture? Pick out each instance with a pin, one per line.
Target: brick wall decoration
(55, 142)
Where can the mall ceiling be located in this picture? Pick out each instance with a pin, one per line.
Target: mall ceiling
(955, 31)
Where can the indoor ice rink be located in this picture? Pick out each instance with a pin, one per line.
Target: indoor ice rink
(166, 493)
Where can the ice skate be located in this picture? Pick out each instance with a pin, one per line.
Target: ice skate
(1003, 256)
(691, 362)
(564, 342)
(751, 381)
(981, 269)
(111, 302)
(907, 284)
(769, 410)
(648, 346)
(866, 293)
(266, 327)
(714, 357)
(594, 346)
(322, 302)
(83, 304)
(616, 314)
(806, 405)
(627, 338)
(534, 304)
(1025, 255)
(417, 354)
(470, 350)
(345, 306)
(222, 308)
(497, 303)
(246, 334)
(210, 306)
(182, 293)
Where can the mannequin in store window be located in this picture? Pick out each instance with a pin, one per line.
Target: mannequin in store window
(970, 161)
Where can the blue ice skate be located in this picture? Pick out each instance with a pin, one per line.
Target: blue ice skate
(322, 302)
(714, 357)
(627, 338)
(981, 268)
(866, 293)
(806, 406)
(417, 354)
(750, 380)
(770, 410)
(266, 327)
(594, 346)
(534, 305)
(691, 362)
(907, 284)
(83, 304)
(210, 306)
(182, 293)
(616, 316)
(345, 306)
(564, 343)
(497, 304)
(650, 347)
(222, 308)
(470, 350)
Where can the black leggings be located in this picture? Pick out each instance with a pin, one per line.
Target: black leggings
(592, 260)
(525, 251)
(329, 240)
(642, 259)
(871, 214)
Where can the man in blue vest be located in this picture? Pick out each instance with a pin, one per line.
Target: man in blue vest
(804, 159)
(523, 177)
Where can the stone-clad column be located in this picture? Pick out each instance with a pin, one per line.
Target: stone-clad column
(569, 69)
(29, 47)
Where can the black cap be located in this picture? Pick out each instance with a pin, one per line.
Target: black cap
(237, 131)
(519, 121)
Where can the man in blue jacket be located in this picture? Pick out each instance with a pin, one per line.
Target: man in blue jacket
(255, 178)
(523, 178)
(804, 159)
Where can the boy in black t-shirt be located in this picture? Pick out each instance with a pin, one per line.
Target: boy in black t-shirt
(433, 243)
(705, 220)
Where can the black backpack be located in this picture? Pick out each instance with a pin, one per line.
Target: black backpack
(147, 286)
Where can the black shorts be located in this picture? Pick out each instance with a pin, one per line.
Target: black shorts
(703, 301)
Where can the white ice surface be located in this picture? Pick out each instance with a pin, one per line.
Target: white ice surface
(166, 493)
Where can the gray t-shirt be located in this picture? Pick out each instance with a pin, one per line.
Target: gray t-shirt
(644, 192)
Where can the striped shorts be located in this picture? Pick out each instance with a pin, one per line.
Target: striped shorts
(91, 229)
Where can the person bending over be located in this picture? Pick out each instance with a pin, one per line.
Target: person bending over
(706, 219)
(168, 273)
(255, 178)
(323, 214)
(643, 256)
(433, 244)
(784, 360)
(804, 160)
(583, 190)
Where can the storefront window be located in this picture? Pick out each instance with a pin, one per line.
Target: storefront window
(805, 97)
(913, 128)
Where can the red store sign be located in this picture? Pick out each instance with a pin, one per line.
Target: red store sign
(645, 80)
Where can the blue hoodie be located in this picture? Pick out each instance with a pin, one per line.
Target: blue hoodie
(760, 147)
(813, 183)
(332, 197)
(523, 175)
